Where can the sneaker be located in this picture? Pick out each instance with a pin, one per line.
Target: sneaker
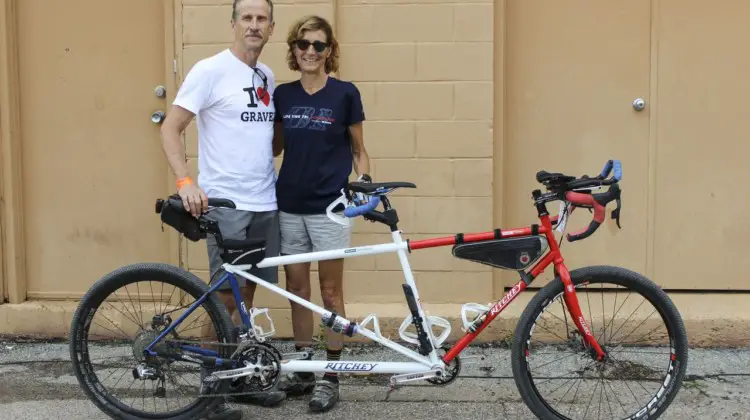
(293, 384)
(325, 396)
(224, 412)
(263, 399)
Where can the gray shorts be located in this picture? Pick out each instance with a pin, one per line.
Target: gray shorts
(239, 224)
(303, 233)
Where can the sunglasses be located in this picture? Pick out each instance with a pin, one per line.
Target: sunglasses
(304, 44)
(263, 78)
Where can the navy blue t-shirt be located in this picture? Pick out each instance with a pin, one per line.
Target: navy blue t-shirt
(317, 158)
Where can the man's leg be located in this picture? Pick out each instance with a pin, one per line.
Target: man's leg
(262, 226)
(328, 235)
(232, 224)
(295, 240)
(235, 224)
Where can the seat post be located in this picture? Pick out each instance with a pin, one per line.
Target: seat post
(391, 216)
(386, 202)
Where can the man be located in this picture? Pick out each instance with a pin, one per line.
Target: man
(230, 93)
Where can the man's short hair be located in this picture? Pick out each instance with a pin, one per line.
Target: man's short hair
(234, 9)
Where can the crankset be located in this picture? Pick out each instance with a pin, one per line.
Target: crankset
(433, 376)
(262, 366)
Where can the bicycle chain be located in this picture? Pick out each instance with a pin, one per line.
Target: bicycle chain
(240, 347)
(247, 343)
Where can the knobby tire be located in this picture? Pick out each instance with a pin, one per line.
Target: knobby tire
(156, 272)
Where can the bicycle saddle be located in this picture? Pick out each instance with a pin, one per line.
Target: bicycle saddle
(553, 177)
(378, 187)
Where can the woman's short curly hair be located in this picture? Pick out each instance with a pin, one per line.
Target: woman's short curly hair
(313, 23)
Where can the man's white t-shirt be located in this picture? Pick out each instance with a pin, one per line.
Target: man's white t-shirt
(235, 129)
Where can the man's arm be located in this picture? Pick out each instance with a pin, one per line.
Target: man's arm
(177, 120)
(361, 158)
(193, 198)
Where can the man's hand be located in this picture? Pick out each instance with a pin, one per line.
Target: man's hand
(193, 198)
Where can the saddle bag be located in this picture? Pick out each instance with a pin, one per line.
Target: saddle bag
(173, 213)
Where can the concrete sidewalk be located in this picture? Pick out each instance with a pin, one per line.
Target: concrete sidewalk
(38, 383)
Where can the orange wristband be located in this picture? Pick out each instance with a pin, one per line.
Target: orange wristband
(184, 181)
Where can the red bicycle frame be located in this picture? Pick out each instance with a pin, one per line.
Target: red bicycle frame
(560, 187)
(553, 256)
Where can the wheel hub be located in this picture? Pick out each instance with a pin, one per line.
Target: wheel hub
(141, 342)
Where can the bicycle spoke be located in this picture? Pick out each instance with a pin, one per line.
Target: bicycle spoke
(112, 363)
(591, 399)
(592, 388)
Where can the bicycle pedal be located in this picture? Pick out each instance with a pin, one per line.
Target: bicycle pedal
(211, 379)
(259, 333)
(470, 360)
(472, 315)
(411, 377)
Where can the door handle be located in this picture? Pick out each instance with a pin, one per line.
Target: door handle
(158, 117)
(639, 104)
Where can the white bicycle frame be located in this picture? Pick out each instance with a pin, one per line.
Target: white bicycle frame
(421, 363)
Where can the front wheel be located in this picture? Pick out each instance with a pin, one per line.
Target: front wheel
(636, 324)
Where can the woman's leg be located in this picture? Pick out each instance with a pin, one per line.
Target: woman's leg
(296, 240)
(327, 235)
(331, 274)
(298, 283)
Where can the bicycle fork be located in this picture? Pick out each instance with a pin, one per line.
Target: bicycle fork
(571, 301)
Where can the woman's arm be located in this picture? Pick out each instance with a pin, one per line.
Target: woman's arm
(361, 158)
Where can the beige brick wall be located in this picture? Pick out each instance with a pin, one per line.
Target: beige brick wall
(425, 72)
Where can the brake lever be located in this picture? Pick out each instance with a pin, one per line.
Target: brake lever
(616, 213)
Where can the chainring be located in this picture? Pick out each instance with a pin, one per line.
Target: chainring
(454, 368)
(267, 361)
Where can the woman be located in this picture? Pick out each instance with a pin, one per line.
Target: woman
(319, 126)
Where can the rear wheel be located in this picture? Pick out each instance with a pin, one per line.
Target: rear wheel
(120, 316)
(633, 320)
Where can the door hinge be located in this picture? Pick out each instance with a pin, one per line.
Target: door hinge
(174, 66)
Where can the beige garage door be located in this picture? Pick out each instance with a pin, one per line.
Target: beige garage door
(573, 70)
(703, 121)
(3, 279)
(92, 159)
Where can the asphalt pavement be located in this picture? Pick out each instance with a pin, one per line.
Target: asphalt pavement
(38, 383)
